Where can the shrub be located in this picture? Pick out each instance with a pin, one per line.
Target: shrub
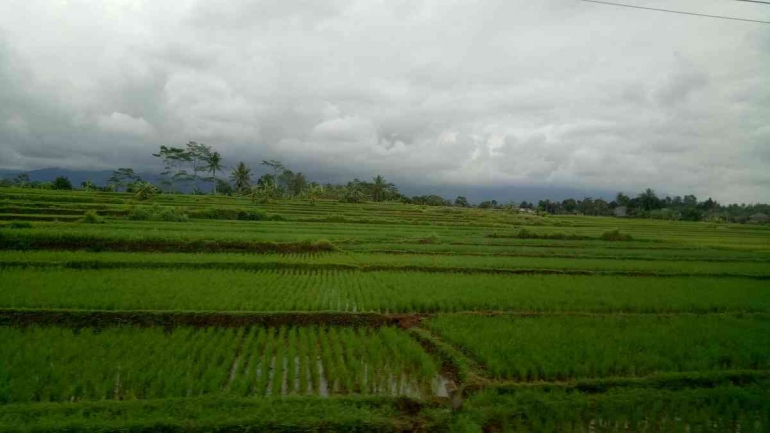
(170, 215)
(526, 234)
(138, 214)
(91, 217)
(216, 213)
(616, 236)
(251, 215)
(145, 190)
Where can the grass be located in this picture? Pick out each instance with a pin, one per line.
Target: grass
(563, 348)
(380, 291)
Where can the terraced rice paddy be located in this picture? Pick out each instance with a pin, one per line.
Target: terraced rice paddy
(127, 364)
(374, 317)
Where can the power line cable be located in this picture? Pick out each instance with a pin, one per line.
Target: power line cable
(676, 12)
(754, 1)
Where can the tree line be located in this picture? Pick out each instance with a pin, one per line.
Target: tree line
(186, 168)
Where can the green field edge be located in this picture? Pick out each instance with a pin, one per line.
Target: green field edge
(450, 253)
(227, 414)
(69, 317)
(95, 265)
(471, 377)
(665, 380)
(78, 318)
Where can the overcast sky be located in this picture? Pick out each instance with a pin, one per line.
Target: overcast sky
(481, 93)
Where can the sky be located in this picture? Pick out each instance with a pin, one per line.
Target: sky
(480, 94)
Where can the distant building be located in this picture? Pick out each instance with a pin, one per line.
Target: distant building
(759, 218)
(620, 211)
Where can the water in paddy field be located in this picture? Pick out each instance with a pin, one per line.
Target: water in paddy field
(323, 386)
(440, 386)
(393, 384)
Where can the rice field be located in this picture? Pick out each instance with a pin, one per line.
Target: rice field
(127, 364)
(560, 348)
(378, 291)
(285, 316)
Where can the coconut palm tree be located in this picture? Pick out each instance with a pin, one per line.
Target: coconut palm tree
(378, 188)
(648, 199)
(241, 177)
(213, 165)
(276, 166)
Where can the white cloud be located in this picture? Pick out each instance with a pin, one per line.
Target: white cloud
(124, 124)
(471, 92)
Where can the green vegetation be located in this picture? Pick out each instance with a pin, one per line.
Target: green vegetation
(381, 291)
(293, 306)
(723, 408)
(562, 347)
(207, 414)
(127, 363)
(91, 217)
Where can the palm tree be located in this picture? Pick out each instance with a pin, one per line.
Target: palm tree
(378, 188)
(277, 166)
(241, 177)
(648, 199)
(213, 165)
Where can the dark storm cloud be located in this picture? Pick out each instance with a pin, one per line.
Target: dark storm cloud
(558, 93)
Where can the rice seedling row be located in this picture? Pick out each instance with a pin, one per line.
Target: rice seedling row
(356, 291)
(379, 261)
(558, 348)
(724, 408)
(60, 364)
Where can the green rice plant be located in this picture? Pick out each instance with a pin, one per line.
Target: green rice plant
(380, 291)
(314, 355)
(574, 347)
(253, 370)
(57, 364)
(266, 356)
(663, 266)
(217, 413)
(304, 362)
(292, 361)
(723, 408)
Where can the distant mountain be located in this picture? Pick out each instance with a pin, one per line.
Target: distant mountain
(98, 177)
(474, 194)
(506, 193)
